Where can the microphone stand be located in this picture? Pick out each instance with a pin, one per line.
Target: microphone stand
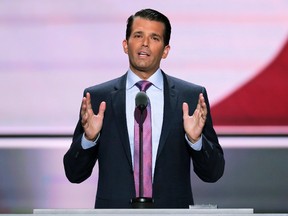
(141, 202)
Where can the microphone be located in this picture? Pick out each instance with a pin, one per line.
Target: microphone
(141, 101)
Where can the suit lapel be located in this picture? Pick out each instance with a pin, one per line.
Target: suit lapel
(170, 101)
(119, 108)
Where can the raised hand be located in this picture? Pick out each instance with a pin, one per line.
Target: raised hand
(91, 123)
(193, 125)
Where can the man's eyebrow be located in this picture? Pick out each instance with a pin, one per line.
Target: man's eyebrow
(138, 32)
(155, 34)
(152, 34)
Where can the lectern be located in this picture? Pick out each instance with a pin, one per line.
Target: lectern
(193, 211)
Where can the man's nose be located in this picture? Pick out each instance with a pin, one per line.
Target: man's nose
(145, 41)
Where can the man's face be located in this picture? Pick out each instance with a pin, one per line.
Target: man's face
(145, 47)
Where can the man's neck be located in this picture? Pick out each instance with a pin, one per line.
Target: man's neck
(143, 75)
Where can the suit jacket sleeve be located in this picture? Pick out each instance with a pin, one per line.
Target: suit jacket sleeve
(79, 162)
(209, 162)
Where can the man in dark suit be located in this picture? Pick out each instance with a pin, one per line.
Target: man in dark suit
(182, 127)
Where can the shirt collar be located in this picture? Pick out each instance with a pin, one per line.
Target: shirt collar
(156, 79)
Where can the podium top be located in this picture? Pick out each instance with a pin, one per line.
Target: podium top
(190, 211)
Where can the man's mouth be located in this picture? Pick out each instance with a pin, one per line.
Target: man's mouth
(141, 53)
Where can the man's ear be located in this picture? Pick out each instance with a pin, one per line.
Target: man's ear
(166, 51)
(125, 46)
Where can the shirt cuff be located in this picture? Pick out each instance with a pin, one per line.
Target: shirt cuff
(86, 144)
(197, 146)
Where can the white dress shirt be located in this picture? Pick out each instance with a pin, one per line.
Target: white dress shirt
(156, 97)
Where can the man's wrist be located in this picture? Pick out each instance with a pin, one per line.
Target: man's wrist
(94, 139)
(192, 140)
(197, 146)
(86, 144)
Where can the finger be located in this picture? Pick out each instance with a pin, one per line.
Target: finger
(102, 108)
(202, 104)
(84, 121)
(185, 109)
(83, 107)
(84, 114)
(88, 100)
(201, 99)
(197, 111)
(197, 114)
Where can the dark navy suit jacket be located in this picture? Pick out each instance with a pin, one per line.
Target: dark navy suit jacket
(171, 184)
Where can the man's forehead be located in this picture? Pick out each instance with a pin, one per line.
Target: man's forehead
(141, 24)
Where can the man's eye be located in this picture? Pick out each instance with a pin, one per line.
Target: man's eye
(156, 38)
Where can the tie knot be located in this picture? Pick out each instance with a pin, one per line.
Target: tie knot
(143, 85)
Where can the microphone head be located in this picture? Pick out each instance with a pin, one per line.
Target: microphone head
(141, 100)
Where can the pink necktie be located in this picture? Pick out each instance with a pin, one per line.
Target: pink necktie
(147, 147)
